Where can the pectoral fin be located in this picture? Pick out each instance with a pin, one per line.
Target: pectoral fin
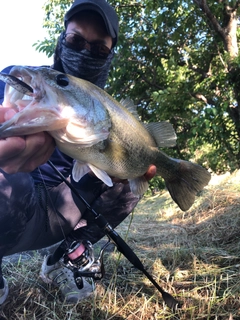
(81, 135)
(79, 170)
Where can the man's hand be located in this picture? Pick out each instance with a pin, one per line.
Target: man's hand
(23, 154)
(152, 170)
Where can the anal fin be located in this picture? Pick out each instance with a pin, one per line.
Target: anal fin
(138, 185)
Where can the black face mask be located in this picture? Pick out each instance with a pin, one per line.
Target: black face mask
(83, 65)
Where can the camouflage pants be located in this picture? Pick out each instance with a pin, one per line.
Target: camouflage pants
(35, 216)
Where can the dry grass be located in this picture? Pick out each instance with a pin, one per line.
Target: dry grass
(194, 255)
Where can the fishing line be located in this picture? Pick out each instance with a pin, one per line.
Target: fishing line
(53, 206)
(121, 245)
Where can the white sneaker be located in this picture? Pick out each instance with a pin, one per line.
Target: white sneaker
(4, 292)
(62, 277)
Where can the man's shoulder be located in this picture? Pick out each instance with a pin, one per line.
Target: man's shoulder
(7, 69)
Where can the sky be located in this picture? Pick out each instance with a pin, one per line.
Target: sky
(21, 26)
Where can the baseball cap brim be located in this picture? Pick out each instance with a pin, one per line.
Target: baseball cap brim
(103, 8)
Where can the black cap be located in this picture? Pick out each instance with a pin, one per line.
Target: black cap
(103, 8)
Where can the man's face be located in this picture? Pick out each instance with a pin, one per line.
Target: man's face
(91, 27)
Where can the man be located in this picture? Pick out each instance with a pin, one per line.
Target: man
(37, 208)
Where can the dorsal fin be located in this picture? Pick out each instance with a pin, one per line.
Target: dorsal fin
(130, 106)
(162, 132)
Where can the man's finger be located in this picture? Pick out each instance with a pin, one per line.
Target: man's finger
(152, 170)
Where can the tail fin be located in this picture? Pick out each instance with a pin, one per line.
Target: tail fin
(189, 180)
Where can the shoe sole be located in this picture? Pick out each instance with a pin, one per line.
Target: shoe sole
(4, 296)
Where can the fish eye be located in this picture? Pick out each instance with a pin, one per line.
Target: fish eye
(62, 80)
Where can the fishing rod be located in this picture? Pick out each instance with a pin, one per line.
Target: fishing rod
(121, 245)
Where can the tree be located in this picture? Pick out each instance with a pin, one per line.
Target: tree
(178, 61)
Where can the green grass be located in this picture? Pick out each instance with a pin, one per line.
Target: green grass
(193, 255)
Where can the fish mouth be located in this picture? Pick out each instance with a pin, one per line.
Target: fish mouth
(22, 87)
(36, 106)
(16, 83)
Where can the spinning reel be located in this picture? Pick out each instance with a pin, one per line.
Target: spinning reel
(85, 264)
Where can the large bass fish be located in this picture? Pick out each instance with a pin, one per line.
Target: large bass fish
(102, 134)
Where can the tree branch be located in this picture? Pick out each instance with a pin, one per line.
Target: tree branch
(203, 98)
(229, 28)
(237, 5)
(202, 4)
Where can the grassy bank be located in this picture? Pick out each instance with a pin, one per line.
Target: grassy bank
(193, 255)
